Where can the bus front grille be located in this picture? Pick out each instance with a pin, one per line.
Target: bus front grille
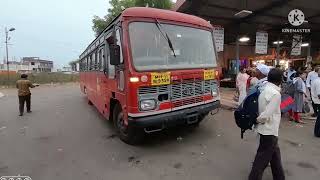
(180, 93)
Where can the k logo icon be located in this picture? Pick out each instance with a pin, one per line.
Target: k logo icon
(296, 17)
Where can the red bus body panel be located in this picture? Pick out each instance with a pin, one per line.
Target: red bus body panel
(100, 89)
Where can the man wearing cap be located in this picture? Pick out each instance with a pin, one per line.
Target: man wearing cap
(262, 74)
(24, 93)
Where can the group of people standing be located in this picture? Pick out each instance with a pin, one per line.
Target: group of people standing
(269, 81)
(304, 84)
(299, 84)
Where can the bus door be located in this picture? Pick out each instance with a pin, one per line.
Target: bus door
(102, 81)
(116, 74)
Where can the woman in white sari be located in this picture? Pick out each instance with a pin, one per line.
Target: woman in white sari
(241, 83)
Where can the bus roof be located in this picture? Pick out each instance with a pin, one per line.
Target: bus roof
(145, 12)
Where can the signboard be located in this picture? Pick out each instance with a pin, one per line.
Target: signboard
(296, 45)
(261, 43)
(218, 34)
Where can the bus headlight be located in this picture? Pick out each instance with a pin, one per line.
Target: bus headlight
(146, 105)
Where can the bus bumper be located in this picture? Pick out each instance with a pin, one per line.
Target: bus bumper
(185, 116)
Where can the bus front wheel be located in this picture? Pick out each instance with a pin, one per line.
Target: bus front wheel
(127, 134)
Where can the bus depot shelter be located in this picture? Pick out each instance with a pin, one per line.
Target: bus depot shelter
(251, 31)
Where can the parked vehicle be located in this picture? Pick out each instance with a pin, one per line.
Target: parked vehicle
(151, 69)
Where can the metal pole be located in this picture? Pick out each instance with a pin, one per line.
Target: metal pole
(278, 53)
(309, 63)
(7, 54)
(237, 55)
(309, 49)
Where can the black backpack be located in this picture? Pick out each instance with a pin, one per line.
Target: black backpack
(246, 114)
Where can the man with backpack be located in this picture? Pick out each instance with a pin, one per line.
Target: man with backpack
(246, 114)
(267, 126)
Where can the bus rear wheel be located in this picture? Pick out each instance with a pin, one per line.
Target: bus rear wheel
(127, 134)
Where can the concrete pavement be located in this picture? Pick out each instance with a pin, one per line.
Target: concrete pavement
(227, 95)
(65, 138)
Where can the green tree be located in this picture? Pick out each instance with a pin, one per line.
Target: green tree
(117, 6)
(161, 4)
(73, 64)
(99, 24)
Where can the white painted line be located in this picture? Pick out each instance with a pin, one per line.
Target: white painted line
(1, 95)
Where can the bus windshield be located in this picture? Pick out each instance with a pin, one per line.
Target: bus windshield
(192, 48)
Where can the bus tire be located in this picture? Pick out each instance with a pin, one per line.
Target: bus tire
(127, 134)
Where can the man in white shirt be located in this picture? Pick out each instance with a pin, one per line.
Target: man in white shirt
(312, 76)
(315, 93)
(268, 127)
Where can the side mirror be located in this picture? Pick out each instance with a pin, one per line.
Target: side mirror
(114, 54)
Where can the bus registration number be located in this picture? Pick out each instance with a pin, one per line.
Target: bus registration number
(208, 74)
(160, 78)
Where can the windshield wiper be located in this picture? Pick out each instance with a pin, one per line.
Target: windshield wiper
(165, 35)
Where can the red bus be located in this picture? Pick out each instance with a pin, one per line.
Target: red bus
(151, 69)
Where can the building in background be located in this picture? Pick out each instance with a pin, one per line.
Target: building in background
(28, 65)
(36, 64)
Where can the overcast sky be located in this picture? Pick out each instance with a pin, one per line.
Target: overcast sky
(57, 30)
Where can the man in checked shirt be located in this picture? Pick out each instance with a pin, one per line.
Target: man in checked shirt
(23, 85)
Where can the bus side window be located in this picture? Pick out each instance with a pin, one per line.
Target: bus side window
(101, 61)
(81, 65)
(119, 43)
(87, 64)
(96, 64)
(111, 68)
(98, 59)
(90, 62)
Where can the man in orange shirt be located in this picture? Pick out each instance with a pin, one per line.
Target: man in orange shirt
(24, 93)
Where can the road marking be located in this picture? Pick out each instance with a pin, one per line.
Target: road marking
(1, 95)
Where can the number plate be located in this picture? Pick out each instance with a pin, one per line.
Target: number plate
(160, 78)
(209, 74)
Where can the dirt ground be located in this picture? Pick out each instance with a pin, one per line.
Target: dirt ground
(65, 138)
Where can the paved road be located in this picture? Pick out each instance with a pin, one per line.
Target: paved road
(65, 138)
